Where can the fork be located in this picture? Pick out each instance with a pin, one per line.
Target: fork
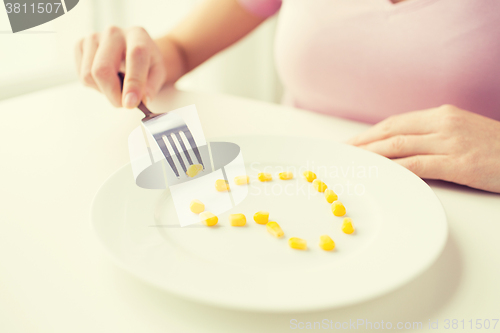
(165, 127)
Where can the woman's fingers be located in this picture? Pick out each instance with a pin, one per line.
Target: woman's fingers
(100, 57)
(429, 166)
(89, 48)
(137, 67)
(406, 145)
(156, 79)
(107, 63)
(416, 122)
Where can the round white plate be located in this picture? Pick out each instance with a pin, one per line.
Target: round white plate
(400, 231)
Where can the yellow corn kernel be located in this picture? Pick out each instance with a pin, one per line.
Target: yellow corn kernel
(347, 227)
(297, 243)
(286, 175)
(319, 185)
(237, 220)
(326, 243)
(338, 208)
(221, 185)
(274, 229)
(330, 196)
(194, 169)
(265, 177)
(197, 206)
(241, 180)
(261, 217)
(208, 219)
(309, 175)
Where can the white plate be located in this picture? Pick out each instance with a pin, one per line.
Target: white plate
(400, 230)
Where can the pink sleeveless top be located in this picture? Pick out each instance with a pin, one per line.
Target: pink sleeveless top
(369, 59)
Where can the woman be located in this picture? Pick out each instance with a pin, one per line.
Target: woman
(426, 71)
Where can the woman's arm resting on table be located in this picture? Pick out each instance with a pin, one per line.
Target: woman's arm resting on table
(444, 143)
(150, 64)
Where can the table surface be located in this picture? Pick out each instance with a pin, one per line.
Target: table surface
(59, 145)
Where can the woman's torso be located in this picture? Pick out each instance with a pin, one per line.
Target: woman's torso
(369, 59)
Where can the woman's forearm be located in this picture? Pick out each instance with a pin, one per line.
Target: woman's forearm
(210, 28)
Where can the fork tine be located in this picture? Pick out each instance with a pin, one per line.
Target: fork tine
(183, 146)
(193, 145)
(177, 154)
(163, 147)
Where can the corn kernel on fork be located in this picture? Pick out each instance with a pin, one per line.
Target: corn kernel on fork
(164, 127)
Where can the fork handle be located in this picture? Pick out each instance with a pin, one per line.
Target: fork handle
(141, 106)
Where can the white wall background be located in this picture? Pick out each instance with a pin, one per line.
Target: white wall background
(43, 56)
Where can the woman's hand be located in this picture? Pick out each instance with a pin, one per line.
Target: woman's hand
(99, 58)
(443, 143)
(148, 65)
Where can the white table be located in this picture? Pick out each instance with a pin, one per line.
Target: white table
(59, 145)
